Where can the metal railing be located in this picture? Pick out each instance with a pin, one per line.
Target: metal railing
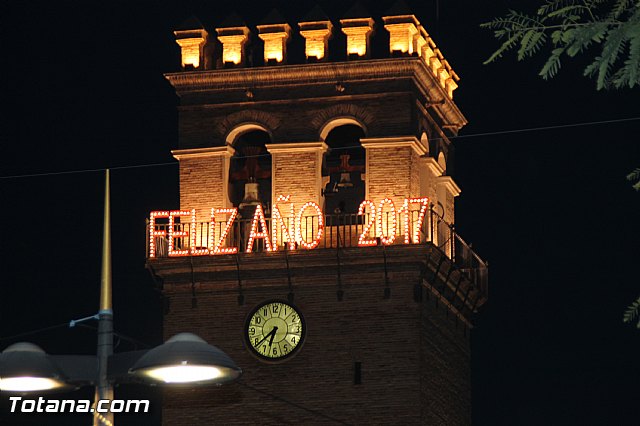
(344, 230)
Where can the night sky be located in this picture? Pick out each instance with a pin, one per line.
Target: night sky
(82, 89)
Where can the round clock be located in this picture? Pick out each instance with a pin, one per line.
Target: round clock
(275, 330)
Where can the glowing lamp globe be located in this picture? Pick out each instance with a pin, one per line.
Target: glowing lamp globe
(186, 359)
(24, 367)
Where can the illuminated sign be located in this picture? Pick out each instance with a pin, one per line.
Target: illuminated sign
(381, 228)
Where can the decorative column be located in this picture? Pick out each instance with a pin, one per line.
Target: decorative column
(316, 34)
(430, 170)
(357, 31)
(447, 190)
(275, 38)
(392, 167)
(403, 31)
(233, 39)
(297, 173)
(393, 172)
(191, 37)
(204, 179)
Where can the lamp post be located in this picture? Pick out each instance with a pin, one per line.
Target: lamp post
(104, 389)
(185, 358)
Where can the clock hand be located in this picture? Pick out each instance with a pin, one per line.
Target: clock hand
(272, 333)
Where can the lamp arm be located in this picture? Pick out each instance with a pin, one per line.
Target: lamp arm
(73, 323)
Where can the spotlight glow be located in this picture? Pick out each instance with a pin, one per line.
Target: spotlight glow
(28, 384)
(184, 373)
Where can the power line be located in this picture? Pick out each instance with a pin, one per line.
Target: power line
(535, 129)
(69, 172)
(36, 331)
(472, 135)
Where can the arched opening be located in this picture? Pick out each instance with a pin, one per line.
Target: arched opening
(344, 168)
(328, 127)
(424, 140)
(250, 170)
(442, 161)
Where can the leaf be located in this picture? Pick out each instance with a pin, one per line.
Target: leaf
(632, 312)
(573, 27)
(568, 35)
(584, 37)
(612, 45)
(552, 65)
(530, 43)
(510, 43)
(536, 42)
(554, 5)
(619, 8)
(564, 11)
(556, 36)
(635, 175)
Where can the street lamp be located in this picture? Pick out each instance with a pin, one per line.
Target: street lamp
(185, 359)
(25, 367)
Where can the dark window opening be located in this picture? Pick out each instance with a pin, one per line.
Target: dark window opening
(357, 373)
(251, 164)
(345, 166)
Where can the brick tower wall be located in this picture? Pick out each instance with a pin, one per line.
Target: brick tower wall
(414, 355)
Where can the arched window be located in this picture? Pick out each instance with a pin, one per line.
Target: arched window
(344, 167)
(442, 161)
(250, 170)
(424, 140)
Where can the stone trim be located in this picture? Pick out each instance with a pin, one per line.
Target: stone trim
(395, 142)
(433, 166)
(213, 151)
(279, 148)
(449, 184)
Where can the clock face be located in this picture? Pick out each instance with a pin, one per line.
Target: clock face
(275, 330)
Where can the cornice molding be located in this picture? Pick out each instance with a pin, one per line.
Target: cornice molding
(183, 154)
(449, 184)
(395, 142)
(433, 166)
(279, 148)
(329, 72)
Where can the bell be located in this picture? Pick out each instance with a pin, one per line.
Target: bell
(251, 197)
(345, 180)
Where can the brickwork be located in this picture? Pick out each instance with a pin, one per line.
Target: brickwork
(416, 166)
(449, 208)
(203, 184)
(296, 120)
(315, 40)
(297, 172)
(388, 174)
(447, 190)
(401, 37)
(445, 368)
(275, 41)
(414, 355)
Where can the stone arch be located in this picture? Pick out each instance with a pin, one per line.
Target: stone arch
(442, 161)
(335, 122)
(327, 119)
(424, 140)
(232, 135)
(234, 125)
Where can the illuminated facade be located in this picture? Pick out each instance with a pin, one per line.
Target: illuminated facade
(317, 192)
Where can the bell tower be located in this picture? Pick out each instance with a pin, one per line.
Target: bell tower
(315, 241)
